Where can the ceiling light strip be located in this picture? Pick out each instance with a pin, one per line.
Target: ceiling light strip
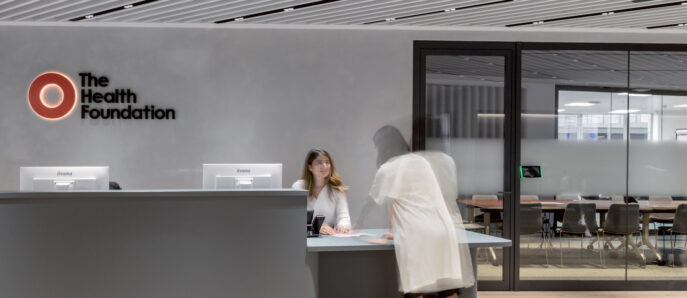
(127, 6)
(604, 13)
(437, 12)
(285, 9)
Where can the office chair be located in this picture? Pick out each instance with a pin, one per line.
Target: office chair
(531, 223)
(623, 220)
(660, 218)
(679, 227)
(580, 219)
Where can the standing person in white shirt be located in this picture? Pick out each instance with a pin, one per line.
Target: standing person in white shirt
(326, 192)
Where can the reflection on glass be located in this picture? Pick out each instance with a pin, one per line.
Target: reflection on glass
(465, 119)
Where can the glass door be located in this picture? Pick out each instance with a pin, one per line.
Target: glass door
(464, 102)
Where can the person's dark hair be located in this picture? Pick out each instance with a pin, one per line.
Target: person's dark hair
(390, 143)
(115, 186)
(334, 180)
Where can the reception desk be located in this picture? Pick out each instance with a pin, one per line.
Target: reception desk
(353, 267)
(185, 243)
(181, 243)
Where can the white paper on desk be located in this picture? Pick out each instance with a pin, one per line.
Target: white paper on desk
(352, 235)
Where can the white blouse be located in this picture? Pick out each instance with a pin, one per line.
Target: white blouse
(331, 204)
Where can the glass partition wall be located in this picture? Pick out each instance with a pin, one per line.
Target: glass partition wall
(657, 165)
(465, 98)
(574, 128)
(601, 133)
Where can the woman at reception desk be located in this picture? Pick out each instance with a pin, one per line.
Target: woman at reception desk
(326, 193)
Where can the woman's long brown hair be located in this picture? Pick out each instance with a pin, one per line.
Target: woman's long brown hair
(334, 181)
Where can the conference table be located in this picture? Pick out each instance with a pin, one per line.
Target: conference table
(490, 207)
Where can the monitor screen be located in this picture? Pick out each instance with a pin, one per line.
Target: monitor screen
(530, 172)
(242, 176)
(63, 178)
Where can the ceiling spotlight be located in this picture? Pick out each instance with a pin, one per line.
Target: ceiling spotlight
(128, 6)
(288, 9)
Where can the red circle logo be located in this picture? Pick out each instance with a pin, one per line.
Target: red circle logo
(43, 84)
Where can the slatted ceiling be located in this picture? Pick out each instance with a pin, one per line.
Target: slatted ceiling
(181, 10)
(246, 8)
(195, 13)
(358, 12)
(29, 8)
(339, 12)
(58, 12)
(490, 13)
(523, 11)
(355, 14)
(630, 19)
(73, 9)
(477, 15)
(263, 6)
(306, 15)
(51, 9)
(136, 12)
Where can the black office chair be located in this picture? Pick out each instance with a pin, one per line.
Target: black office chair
(115, 186)
(580, 219)
(531, 223)
(679, 227)
(623, 220)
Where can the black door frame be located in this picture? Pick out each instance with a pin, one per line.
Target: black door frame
(512, 153)
(423, 49)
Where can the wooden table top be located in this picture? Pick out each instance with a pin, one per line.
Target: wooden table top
(554, 205)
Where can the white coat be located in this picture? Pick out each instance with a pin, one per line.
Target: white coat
(429, 255)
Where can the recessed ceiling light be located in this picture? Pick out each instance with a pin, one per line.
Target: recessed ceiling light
(635, 94)
(449, 9)
(390, 19)
(579, 104)
(128, 6)
(90, 16)
(288, 9)
(238, 19)
(623, 111)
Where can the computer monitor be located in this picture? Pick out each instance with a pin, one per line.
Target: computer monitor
(63, 178)
(242, 176)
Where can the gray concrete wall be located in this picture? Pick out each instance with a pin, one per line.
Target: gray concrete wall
(242, 94)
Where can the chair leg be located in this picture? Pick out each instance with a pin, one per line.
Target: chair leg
(633, 244)
(546, 251)
(672, 248)
(601, 254)
(560, 244)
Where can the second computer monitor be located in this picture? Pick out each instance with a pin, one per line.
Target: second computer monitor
(242, 176)
(63, 178)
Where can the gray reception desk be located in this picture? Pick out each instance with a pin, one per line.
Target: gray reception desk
(185, 243)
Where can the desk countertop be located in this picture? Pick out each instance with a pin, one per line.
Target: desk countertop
(328, 243)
